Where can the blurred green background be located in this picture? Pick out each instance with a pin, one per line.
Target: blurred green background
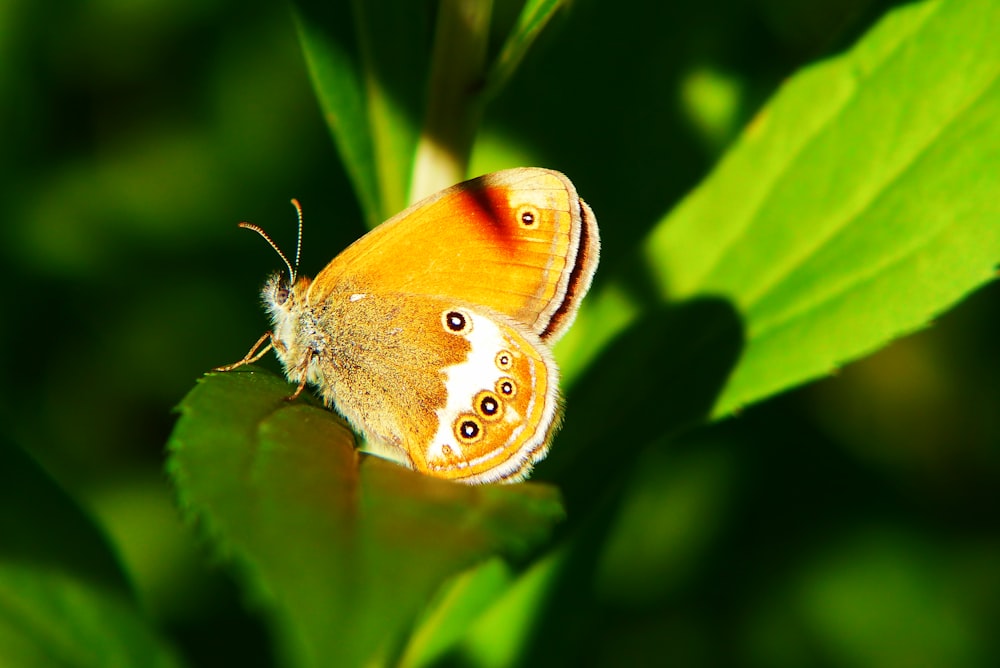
(852, 522)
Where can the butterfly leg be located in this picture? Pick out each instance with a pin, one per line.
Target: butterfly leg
(303, 375)
(255, 354)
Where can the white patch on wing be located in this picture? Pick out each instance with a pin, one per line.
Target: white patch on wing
(463, 380)
(357, 297)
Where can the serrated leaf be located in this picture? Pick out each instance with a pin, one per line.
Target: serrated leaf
(63, 597)
(862, 201)
(343, 549)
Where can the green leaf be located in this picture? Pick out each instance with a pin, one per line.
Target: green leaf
(63, 597)
(448, 617)
(404, 116)
(858, 205)
(487, 619)
(861, 202)
(498, 635)
(534, 16)
(368, 64)
(50, 617)
(29, 498)
(342, 549)
(333, 62)
(454, 99)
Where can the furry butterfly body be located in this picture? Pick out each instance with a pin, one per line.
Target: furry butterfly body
(432, 333)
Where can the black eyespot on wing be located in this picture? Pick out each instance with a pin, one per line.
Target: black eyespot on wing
(468, 429)
(488, 406)
(527, 216)
(456, 321)
(504, 360)
(507, 387)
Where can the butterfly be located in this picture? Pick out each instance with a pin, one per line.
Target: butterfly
(432, 333)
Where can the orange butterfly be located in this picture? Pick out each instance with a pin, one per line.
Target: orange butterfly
(431, 334)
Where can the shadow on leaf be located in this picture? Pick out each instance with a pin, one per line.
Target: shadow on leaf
(659, 377)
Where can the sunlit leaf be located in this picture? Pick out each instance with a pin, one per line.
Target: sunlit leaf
(344, 549)
(859, 204)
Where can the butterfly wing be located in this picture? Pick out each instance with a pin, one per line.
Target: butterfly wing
(452, 389)
(520, 242)
(502, 403)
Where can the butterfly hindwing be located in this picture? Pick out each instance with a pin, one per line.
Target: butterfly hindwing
(502, 402)
(452, 389)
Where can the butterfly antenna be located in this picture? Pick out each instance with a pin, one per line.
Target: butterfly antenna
(298, 245)
(255, 228)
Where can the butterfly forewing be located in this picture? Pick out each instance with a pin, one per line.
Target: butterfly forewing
(519, 242)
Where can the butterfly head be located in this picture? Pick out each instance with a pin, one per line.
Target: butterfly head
(284, 297)
(285, 303)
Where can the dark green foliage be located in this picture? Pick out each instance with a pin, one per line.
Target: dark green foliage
(782, 188)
